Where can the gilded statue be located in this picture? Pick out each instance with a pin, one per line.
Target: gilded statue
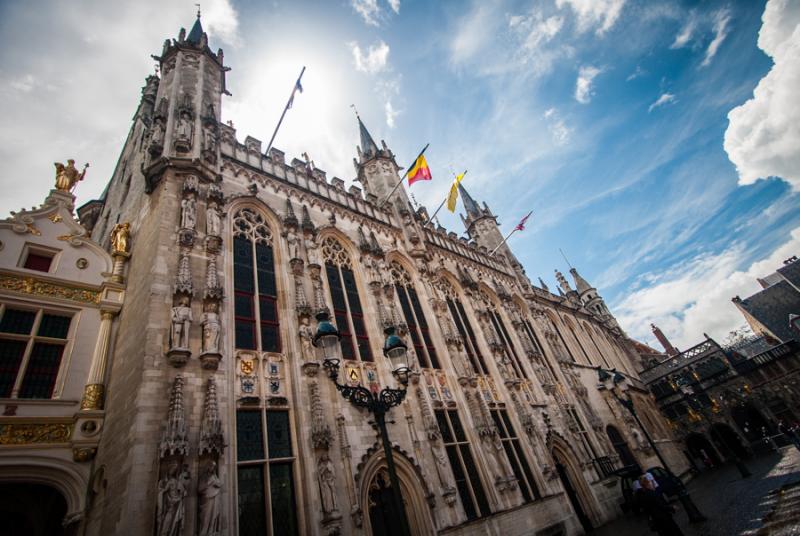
(120, 237)
(68, 176)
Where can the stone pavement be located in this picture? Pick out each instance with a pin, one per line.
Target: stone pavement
(766, 504)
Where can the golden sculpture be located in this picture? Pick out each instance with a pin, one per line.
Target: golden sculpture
(93, 396)
(120, 237)
(68, 176)
(31, 433)
(30, 285)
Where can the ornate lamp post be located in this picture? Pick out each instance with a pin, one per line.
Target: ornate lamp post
(617, 385)
(689, 393)
(379, 404)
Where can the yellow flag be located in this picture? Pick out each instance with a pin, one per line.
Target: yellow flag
(453, 195)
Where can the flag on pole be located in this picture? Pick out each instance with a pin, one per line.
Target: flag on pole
(419, 171)
(521, 225)
(453, 195)
(297, 87)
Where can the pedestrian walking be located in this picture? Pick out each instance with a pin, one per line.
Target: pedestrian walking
(658, 511)
(789, 433)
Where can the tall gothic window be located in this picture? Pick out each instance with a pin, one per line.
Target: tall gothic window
(516, 457)
(538, 346)
(468, 482)
(571, 328)
(564, 347)
(415, 319)
(464, 328)
(502, 332)
(255, 292)
(32, 343)
(346, 303)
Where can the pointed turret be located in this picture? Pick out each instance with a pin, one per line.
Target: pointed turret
(369, 149)
(472, 208)
(196, 33)
(376, 168)
(581, 285)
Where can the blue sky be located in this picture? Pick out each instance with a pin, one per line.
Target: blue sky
(607, 118)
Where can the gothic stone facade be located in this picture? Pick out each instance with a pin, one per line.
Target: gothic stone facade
(218, 419)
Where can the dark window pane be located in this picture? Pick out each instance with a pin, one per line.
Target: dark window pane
(431, 350)
(499, 423)
(266, 283)
(358, 326)
(281, 488)
(41, 372)
(417, 308)
(507, 422)
(461, 483)
(243, 305)
(252, 517)
(243, 265)
(441, 418)
(268, 309)
(347, 348)
(264, 257)
(363, 349)
(249, 437)
(512, 459)
(526, 469)
(270, 338)
(245, 334)
(11, 353)
(352, 290)
(405, 306)
(17, 321)
(475, 480)
(335, 284)
(458, 430)
(38, 262)
(55, 326)
(278, 437)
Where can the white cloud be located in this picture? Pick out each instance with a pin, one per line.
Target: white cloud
(391, 114)
(221, 21)
(374, 61)
(686, 32)
(557, 126)
(638, 72)
(721, 20)
(395, 5)
(665, 98)
(695, 297)
(600, 13)
(583, 85)
(369, 10)
(763, 137)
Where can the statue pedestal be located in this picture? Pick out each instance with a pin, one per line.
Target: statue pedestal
(210, 360)
(178, 357)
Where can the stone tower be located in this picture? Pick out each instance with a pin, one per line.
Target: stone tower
(592, 300)
(483, 228)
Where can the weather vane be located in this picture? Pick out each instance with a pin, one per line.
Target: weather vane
(353, 106)
(198, 10)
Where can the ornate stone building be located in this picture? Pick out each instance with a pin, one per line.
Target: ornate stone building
(217, 417)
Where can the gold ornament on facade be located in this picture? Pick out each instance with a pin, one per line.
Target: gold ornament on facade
(93, 396)
(55, 218)
(29, 285)
(120, 238)
(83, 454)
(68, 176)
(33, 230)
(34, 433)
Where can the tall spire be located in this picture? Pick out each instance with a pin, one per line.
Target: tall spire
(581, 285)
(472, 208)
(369, 148)
(197, 30)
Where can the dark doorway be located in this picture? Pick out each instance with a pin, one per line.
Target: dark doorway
(751, 422)
(31, 509)
(573, 497)
(621, 446)
(383, 516)
(701, 449)
(727, 441)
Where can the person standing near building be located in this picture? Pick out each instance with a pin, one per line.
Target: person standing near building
(658, 511)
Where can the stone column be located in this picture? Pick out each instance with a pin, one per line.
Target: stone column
(94, 392)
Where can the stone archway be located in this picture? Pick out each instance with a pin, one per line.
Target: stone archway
(32, 509)
(700, 448)
(578, 491)
(374, 489)
(727, 441)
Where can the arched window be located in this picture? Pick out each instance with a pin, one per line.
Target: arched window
(571, 328)
(255, 293)
(502, 332)
(559, 340)
(621, 446)
(464, 327)
(415, 319)
(589, 332)
(346, 303)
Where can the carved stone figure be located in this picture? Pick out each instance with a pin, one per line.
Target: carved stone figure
(213, 221)
(120, 238)
(211, 329)
(209, 491)
(171, 492)
(312, 251)
(327, 486)
(157, 134)
(306, 334)
(294, 242)
(68, 176)
(442, 466)
(209, 139)
(183, 132)
(188, 213)
(181, 322)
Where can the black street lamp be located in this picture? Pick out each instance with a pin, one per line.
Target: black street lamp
(689, 393)
(613, 381)
(379, 404)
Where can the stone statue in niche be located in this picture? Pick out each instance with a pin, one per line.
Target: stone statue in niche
(209, 491)
(188, 213)
(183, 130)
(312, 251)
(213, 221)
(442, 466)
(327, 487)
(181, 321)
(170, 509)
(157, 134)
(211, 328)
(120, 238)
(209, 139)
(294, 242)
(306, 338)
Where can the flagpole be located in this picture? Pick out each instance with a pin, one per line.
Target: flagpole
(442, 203)
(504, 241)
(285, 108)
(396, 186)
